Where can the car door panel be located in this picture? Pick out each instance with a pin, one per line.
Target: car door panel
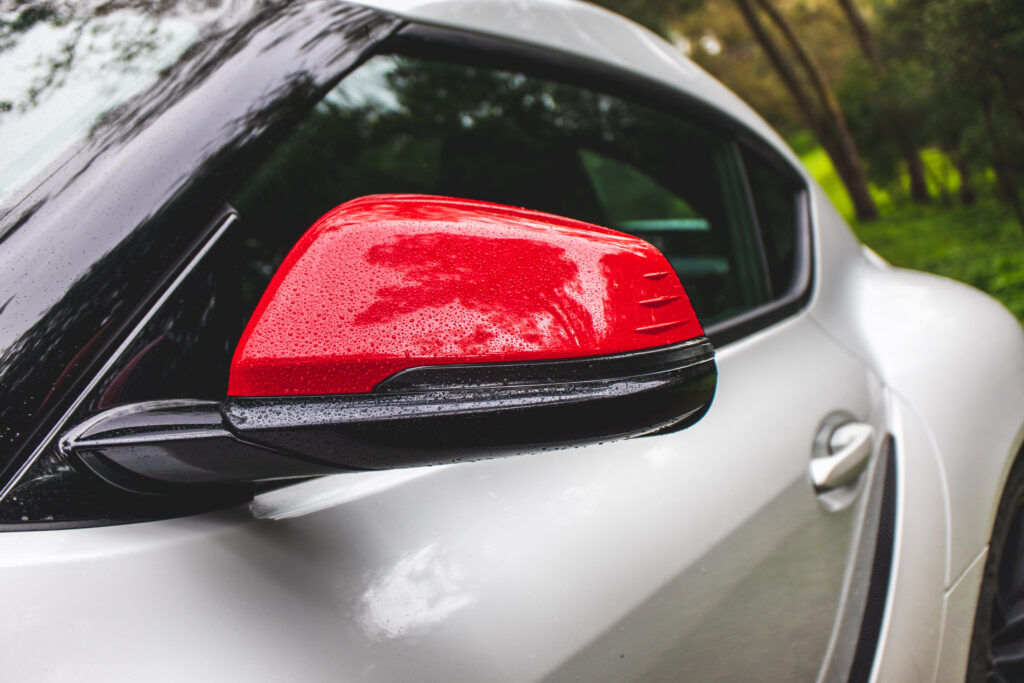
(703, 553)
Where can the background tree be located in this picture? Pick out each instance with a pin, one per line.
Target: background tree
(799, 71)
(910, 153)
(942, 75)
(826, 117)
(967, 57)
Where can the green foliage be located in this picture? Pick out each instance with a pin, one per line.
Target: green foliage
(741, 64)
(952, 80)
(821, 168)
(888, 114)
(981, 245)
(948, 75)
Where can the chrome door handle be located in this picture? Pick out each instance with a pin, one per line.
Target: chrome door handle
(849, 448)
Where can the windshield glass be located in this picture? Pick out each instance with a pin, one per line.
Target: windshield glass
(66, 65)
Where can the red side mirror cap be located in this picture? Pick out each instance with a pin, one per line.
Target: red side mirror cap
(390, 282)
(411, 330)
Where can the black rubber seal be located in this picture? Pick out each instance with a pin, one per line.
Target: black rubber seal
(881, 571)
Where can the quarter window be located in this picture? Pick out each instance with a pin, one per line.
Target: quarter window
(776, 195)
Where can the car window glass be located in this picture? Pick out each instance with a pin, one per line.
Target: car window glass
(632, 199)
(183, 352)
(66, 66)
(775, 194)
(401, 124)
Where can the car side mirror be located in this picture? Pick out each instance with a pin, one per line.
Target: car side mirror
(411, 330)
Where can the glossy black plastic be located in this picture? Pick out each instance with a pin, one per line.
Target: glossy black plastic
(881, 572)
(88, 247)
(449, 413)
(143, 447)
(92, 244)
(421, 416)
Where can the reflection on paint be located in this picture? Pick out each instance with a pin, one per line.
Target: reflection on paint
(579, 502)
(661, 452)
(325, 492)
(421, 590)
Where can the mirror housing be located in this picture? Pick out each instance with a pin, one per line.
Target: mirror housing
(409, 330)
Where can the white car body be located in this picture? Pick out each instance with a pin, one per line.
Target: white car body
(699, 555)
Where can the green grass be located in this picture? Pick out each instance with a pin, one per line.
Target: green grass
(981, 244)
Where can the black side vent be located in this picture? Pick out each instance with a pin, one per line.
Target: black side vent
(874, 610)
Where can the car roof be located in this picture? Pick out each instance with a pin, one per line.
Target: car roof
(589, 31)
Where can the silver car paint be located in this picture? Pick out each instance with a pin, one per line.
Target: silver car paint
(960, 603)
(955, 357)
(956, 354)
(704, 552)
(528, 568)
(893, 306)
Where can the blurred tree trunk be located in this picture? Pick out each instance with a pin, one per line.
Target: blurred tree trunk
(864, 37)
(915, 169)
(1013, 96)
(866, 40)
(1004, 170)
(967, 195)
(827, 121)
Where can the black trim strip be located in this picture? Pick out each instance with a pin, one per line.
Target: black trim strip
(422, 416)
(748, 196)
(451, 413)
(881, 571)
(547, 372)
(799, 295)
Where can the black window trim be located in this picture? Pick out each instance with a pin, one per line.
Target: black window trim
(154, 303)
(748, 192)
(460, 46)
(56, 177)
(422, 40)
(759, 255)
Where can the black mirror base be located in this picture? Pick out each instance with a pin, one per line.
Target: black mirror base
(422, 416)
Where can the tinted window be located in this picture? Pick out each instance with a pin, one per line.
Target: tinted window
(68, 65)
(776, 194)
(401, 124)
(140, 179)
(408, 125)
